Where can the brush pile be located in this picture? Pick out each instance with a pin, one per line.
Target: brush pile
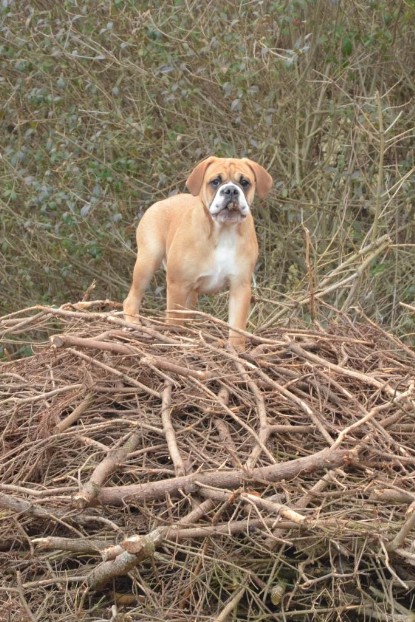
(152, 474)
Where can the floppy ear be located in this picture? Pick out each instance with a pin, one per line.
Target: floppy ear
(195, 179)
(262, 177)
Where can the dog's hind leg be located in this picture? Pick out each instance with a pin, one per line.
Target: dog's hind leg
(147, 262)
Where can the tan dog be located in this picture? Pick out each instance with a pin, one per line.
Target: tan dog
(207, 240)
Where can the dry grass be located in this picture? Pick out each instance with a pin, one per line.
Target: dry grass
(277, 485)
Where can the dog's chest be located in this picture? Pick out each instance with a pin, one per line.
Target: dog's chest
(220, 266)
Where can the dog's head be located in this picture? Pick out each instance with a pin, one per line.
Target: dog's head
(227, 186)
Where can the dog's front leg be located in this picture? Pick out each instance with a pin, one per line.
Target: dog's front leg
(179, 298)
(239, 303)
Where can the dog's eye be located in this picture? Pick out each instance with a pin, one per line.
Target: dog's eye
(215, 182)
(245, 183)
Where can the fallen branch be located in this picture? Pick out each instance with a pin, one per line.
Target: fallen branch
(75, 414)
(66, 341)
(169, 432)
(230, 606)
(351, 373)
(122, 564)
(112, 461)
(264, 428)
(403, 533)
(115, 372)
(325, 459)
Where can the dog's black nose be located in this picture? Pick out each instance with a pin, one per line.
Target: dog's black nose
(230, 192)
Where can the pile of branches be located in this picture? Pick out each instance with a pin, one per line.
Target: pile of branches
(156, 474)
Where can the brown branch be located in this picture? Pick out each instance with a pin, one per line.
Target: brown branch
(275, 508)
(264, 428)
(224, 529)
(218, 399)
(161, 363)
(64, 341)
(115, 372)
(42, 396)
(152, 333)
(391, 496)
(351, 373)
(276, 428)
(143, 548)
(19, 324)
(325, 459)
(75, 414)
(222, 427)
(112, 461)
(75, 545)
(310, 274)
(20, 506)
(172, 533)
(67, 341)
(230, 606)
(169, 432)
(401, 536)
(371, 414)
(298, 401)
(130, 543)
(227, 441)
(22, 597)
(119, 560)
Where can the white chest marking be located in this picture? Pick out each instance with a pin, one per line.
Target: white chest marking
(222, 265)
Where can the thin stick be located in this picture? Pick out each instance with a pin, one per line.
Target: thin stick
(70, 340)
(169, 432)
(230, 606)
(310, 274)
(22, 597)
(401, 536)
(264, 429)
(112, 461)
(75, 414)
(115, 372)
(299, 402)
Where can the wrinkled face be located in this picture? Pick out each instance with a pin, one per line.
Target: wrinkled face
(228, 190)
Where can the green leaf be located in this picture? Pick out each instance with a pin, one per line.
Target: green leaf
(347, 46)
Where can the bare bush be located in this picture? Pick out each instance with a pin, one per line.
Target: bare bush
(109, 104)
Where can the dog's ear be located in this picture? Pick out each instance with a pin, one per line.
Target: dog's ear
(195, 179)
(262, 177)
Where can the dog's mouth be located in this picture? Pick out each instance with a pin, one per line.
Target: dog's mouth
(230, 212)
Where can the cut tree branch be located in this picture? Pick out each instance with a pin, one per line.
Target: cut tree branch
(325, 459)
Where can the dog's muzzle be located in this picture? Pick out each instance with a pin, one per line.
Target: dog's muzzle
(229, 204)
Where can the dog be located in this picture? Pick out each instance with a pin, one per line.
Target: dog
(206, 239)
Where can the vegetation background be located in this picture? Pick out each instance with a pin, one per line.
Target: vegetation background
(107, 105)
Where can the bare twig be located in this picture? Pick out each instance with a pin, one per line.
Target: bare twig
(178, 463)
(112, 461)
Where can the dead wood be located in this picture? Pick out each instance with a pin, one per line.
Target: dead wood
(169, 432)
(204, 480)
(139, 493)
(113, 460)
